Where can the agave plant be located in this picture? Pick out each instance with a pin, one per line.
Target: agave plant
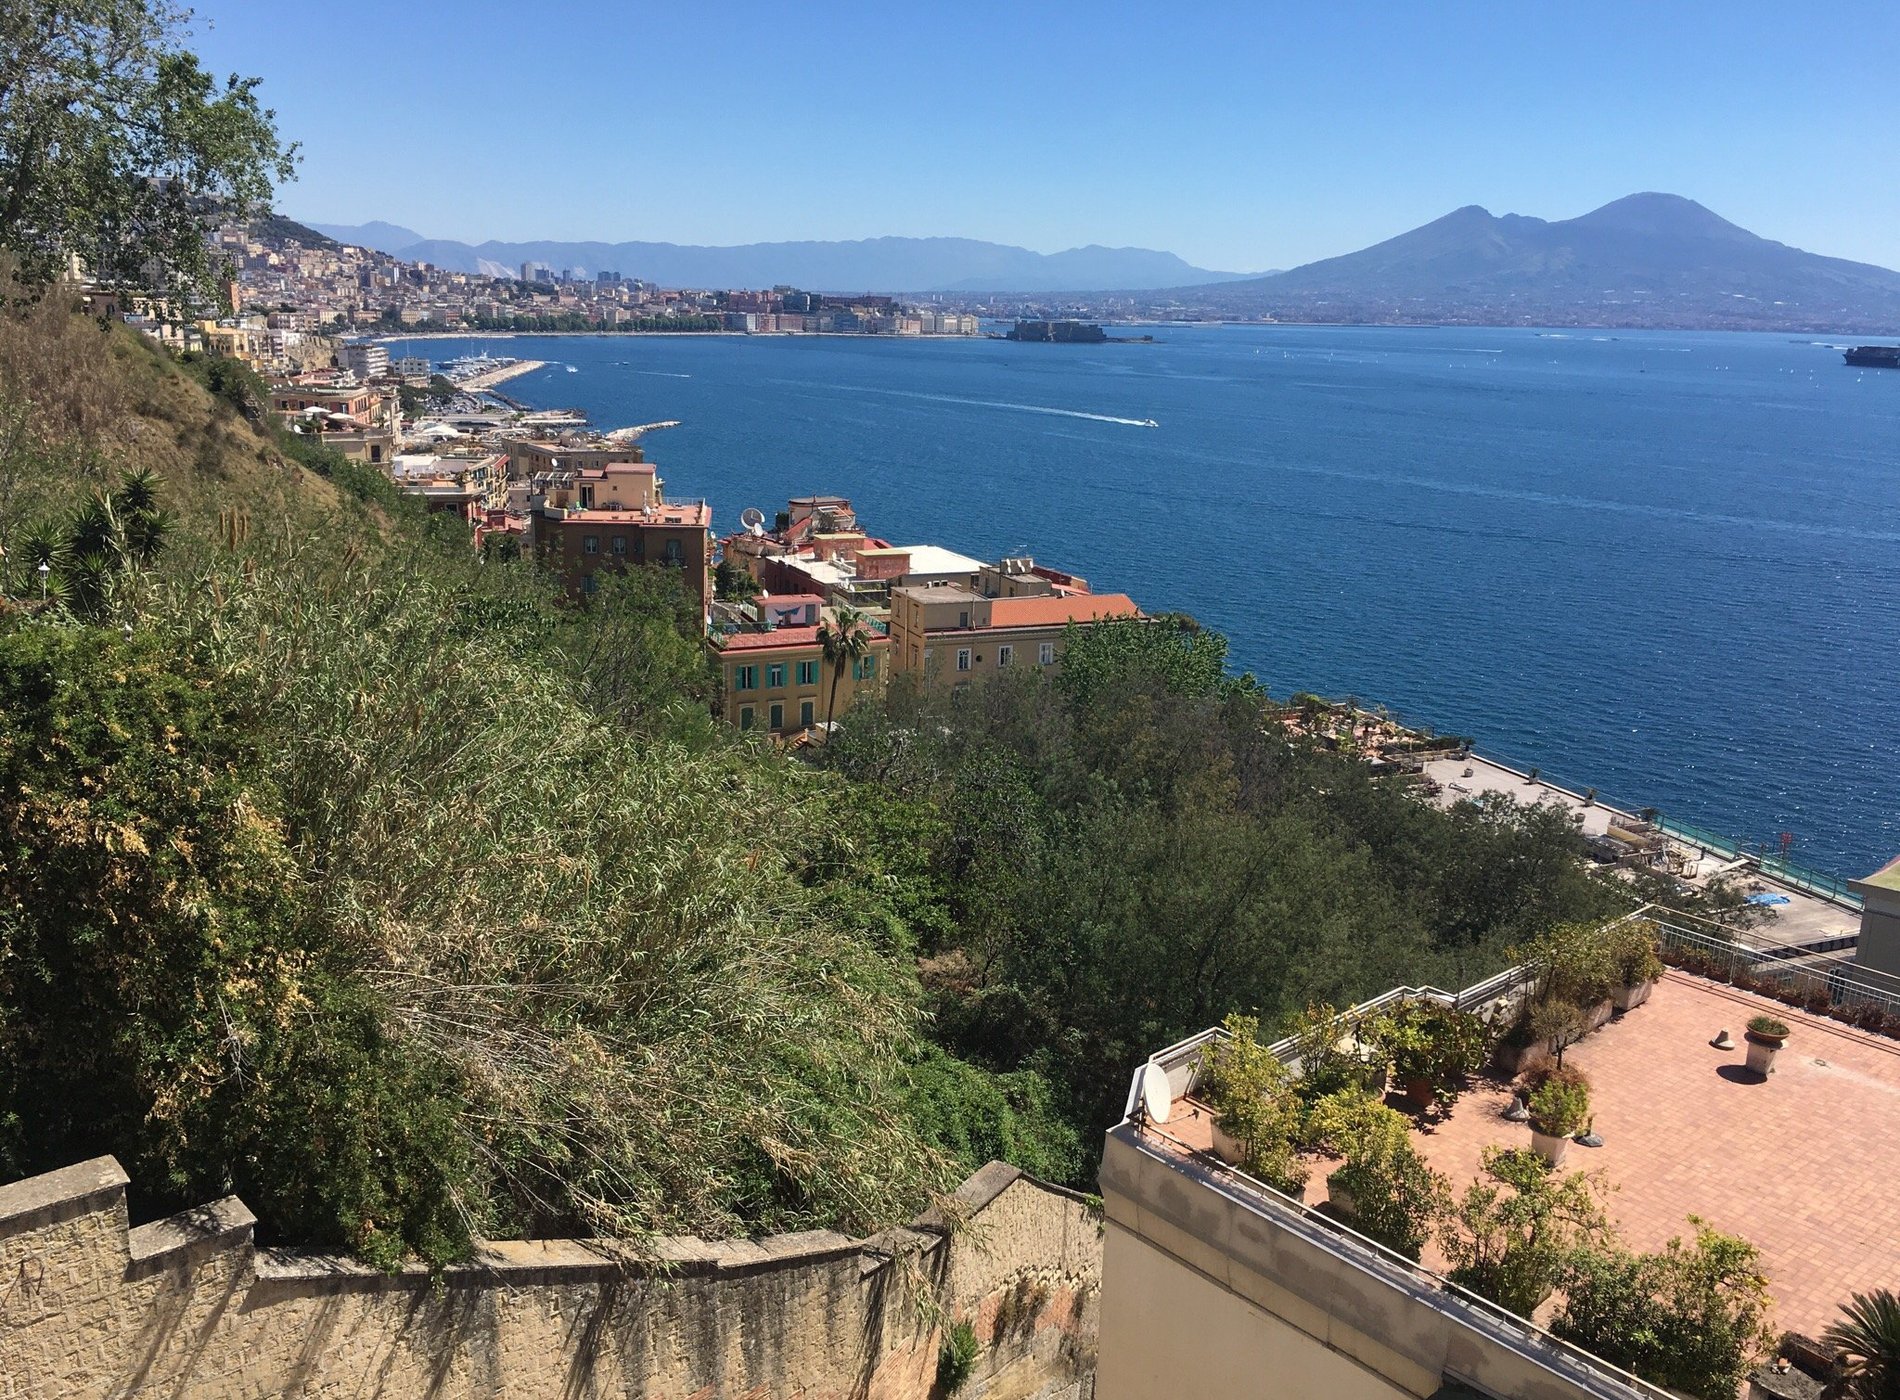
(1866, 1345)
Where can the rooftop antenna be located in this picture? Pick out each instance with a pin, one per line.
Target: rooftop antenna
(753, 519)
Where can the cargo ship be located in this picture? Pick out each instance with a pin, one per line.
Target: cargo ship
(1874, 356)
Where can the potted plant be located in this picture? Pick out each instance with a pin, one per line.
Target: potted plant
(1432, 1046)
(1256, 1113)
(1765, 1037)
(1514, 1232)
(1383, 1189)
(1560, 1109)
(1637, 964)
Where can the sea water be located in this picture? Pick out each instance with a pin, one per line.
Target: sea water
(1664, 565)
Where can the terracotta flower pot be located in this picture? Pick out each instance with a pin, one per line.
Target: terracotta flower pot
(1421, 1091)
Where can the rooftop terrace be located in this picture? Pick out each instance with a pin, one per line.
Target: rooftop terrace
(1798, 1163)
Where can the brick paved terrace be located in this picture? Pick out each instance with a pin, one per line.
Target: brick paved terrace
(1805, 1164)
(1801, 1164)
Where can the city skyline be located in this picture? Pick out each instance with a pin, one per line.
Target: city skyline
(1238, 141)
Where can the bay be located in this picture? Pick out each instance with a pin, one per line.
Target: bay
(1664, 565)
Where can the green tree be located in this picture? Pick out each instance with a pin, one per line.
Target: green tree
(1692, 1317)
(118, 148)
(846, 639)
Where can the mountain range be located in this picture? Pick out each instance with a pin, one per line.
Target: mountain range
(1645, 260)
(861, 265)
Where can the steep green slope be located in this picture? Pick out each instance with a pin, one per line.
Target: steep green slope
(369, 881)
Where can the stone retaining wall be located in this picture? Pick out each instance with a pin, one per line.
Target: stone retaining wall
(188, 1307)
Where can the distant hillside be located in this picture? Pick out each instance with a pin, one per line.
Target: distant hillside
(870, 264)
(384, 238)
(1646, 260)
(277, 228)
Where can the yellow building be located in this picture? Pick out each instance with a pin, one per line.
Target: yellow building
(949, 635)
(779, 680)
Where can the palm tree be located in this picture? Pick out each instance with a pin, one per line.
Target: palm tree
(847, 637)
(1866, 1346)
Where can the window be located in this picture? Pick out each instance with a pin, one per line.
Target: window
(745, 717)
(675, 554)
(775, 677)
(589, 584)
(745, 677)
(591, 543)
(870, 668)
(804, 714)
(1046, 653)
(963, 658)
(1004, 655)
(963, 619)
(620, 544)
(778, 717)
(808, 673)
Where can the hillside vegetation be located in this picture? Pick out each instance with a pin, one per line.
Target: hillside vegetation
(372, 882)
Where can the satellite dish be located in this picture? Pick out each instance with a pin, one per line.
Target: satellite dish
(1157, 1095)
(753, 519)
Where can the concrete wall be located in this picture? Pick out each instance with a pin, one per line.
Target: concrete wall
(1204, 1280)
(187, 1307)
(1879, 946)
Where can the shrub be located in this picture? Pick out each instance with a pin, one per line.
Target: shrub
(1768, 1026)
(1511, 1239)
(1430, 1040)
(1689, 1317)
(1577, 963)
(957, 1357)
(1396, 1198)
(1561, 1106)
(1633, 952)
(1252, 1097)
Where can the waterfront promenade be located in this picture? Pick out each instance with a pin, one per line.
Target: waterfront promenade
(1807, 920)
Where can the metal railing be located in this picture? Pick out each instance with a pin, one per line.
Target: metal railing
(1822, 983)
(1497, 1322)
(1788, 872)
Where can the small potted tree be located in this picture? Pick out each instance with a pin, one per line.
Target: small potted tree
(1637, 963)
(1433, 1047)
(1765, 1037)
(1560, 1109)
(1256, 1113)
(1384, 1189)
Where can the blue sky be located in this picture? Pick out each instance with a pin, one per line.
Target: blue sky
(1241, 137)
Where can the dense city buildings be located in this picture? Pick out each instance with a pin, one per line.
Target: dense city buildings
(290, 284)
(822, 613)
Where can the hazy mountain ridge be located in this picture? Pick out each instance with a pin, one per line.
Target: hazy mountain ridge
(1647, 259)
(860, 265)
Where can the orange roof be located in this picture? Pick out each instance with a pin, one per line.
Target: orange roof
(1053, 612)
(784, 637)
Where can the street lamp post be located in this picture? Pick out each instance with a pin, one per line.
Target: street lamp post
(44, 569)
